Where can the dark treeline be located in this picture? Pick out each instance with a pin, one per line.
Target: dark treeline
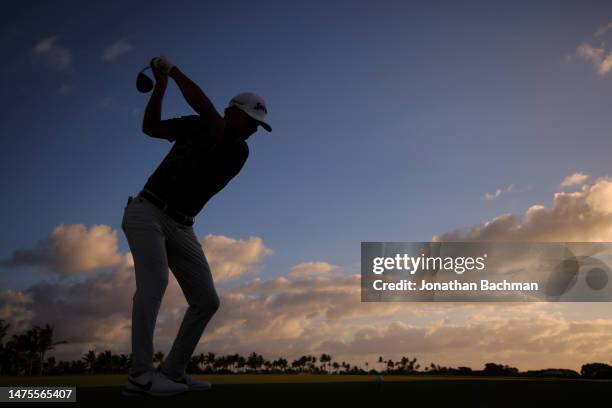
(24, 354)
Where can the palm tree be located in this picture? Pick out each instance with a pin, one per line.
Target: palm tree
(282, 364)
(125, 362)
(3, 330)
(210, 359)
(45, 342)
(158, 358)
(324, 359)
(105, 360)
(90, 359)
(201, 361)
(25, 347)
(312, 360)
(3, 351)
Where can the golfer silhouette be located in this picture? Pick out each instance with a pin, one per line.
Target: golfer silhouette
(208, 151)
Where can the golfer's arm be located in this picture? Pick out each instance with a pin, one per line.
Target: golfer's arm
(151, 123)
(196, 98)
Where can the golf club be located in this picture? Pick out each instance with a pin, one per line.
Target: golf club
(144, 84)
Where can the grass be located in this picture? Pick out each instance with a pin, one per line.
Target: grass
(102, 380)
(347, 390)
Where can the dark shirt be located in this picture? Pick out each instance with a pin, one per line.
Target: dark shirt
(196, 167)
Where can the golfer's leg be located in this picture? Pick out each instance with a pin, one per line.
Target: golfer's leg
(190, 267)
(146, 242)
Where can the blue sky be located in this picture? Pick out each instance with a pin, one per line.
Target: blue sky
(392, 122)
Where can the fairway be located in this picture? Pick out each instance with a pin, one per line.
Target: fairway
(350, 391)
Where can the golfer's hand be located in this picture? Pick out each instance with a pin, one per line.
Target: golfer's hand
(160, 77)
(162, 64)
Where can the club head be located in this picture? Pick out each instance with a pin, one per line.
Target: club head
(144, 84)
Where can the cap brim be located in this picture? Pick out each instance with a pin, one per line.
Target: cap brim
(265, 126)
(262, 123)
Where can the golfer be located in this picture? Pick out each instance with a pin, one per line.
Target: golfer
(208, 151)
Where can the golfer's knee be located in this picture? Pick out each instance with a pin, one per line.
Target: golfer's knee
(216, 303)
(208, 305)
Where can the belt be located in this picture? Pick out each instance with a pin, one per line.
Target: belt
(163, 206)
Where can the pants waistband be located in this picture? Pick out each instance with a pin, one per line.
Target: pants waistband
(163, 206)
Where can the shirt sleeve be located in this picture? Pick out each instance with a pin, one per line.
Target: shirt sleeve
(182, 126)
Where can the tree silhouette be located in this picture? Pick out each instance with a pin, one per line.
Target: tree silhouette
(324, 359)
(45, 342)
(159, 358)
(210, 360)
(25, 353)
(90, 359)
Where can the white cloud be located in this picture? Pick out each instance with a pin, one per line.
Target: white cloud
(603, 29)
(499, 192)
(53, 55)
(15, 307)
(574, 180)
(597, 56)
(599, 197)
(115, 50)
(294, 316)
(71, 249)
(311, 310)
(231, 258)
(581, 216)
(306, 269)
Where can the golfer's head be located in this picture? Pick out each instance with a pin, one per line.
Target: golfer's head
(239, 124)
(244, 114)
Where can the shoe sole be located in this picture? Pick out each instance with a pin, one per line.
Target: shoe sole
(200, 388)
(128, 392)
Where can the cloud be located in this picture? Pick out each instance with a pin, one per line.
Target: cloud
(499, 192)
(53, 55)
(15, 307)
(311, 269)
(523, 337)
(603, 29)
(581, 216)
(70, 250)
(574, 180)
(599, 196)
(231, 258)
(280, 315)
(115, 50)
(597, 56)
(295, 315)
(314, 308)
(93, 313)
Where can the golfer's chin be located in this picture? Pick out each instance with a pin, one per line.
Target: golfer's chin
(237, 135)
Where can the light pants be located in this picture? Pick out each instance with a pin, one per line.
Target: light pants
(158, 242)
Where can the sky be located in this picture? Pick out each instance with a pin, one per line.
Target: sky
(392, 121)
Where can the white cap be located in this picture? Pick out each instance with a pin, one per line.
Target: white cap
(253, 105)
